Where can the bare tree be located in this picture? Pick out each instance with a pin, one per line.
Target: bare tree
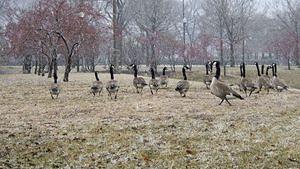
(289, 17)
(236, 15)
(153, 17)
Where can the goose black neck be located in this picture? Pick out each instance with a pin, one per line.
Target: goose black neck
(218, 70)
(111, 70)
(262, 69)
(244, 70)
(258, 73)
(275, 69)
(135, 71)
(184, 74)
(152, 73)
(241, 70)
(164, 71)
(267, 71)
(207, 67)
(96, 76)
(55, 77)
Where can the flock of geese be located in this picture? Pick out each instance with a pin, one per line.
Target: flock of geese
(212, 82)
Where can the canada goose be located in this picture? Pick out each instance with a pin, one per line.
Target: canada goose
(164, 78)
(54, 89)
(97, 85)
(207, 77)
(219, 88)
(262, 81)
(112, 86)
(245, 83)
(138, 82)
(277, 83)
(183, 85)
(154, 83)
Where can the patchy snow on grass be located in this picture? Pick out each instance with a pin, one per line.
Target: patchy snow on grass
(162, 130)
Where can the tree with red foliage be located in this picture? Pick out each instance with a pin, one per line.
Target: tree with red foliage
(283, 47)
(55, 27)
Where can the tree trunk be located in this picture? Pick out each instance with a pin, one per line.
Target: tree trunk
(153, 58)
(36, 66)
(93, 63)
(297, 52)
(221, 51)
(67, 69)
(50, 69)
(289, 64)
(232, 61)
(27, 64)
(40, 67)
(78, 64)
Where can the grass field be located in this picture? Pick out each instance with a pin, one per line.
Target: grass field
(143, 131)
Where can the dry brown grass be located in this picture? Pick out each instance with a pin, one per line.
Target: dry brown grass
(143, 131)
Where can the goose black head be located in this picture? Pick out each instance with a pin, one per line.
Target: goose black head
(111, 70)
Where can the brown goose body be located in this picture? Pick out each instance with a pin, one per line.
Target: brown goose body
(153, 83)
(138, 82)
(112, 86)
(262, 81)
(220, 89)
(164, 78)
(97, 85)
(183, 86)
(276, 82)
(246, 84)
(54, 88)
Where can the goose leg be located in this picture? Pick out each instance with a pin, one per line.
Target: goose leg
(228, 101)
(250, 93)
(52, 96)
(151, 91)
(221, 102)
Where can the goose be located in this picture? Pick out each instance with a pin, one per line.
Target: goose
(219, 88)
(97, 85)
(183, 85)
(112, 86)
(154, 83)
(246, 84)
(262, 81)
(207, 77)
(164, 78)
(54, 88)
(277, 83)
(138, 82)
